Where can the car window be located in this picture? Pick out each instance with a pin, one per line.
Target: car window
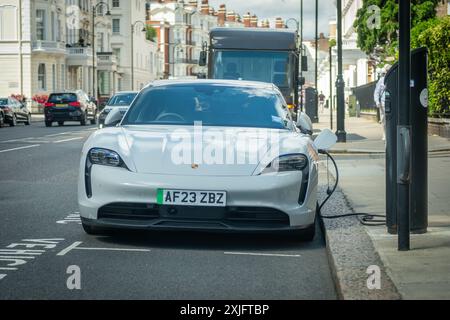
(122, 99)
(62, 98)
(3, 101)
(213, 105)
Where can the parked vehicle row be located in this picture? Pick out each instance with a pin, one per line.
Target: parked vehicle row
(121, 100)
(13, 111)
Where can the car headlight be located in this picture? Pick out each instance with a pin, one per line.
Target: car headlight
(105, 157)
(288, 162)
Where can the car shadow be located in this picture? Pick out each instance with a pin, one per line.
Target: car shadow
(188, 240)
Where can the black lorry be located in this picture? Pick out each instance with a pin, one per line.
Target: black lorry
(255, 54)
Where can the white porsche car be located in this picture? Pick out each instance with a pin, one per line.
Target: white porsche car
(201, 155)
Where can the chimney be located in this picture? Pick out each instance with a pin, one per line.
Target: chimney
(279, 23)
(193, 4)
(205, 7)
(254, 21)
(221, 15)
(231, 16)
(247, 20)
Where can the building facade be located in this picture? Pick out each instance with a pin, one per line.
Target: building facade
(47, 46)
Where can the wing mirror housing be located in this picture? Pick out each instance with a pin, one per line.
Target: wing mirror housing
(202, 59)
(304, 123)
(325, 140)
(113, 118)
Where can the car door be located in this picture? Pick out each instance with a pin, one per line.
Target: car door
(15, 108)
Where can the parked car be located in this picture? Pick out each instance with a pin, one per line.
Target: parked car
(69, 106)
(13, 111)
(120, 100)
(133, 176)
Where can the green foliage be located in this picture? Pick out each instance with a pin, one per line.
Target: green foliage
(332, 42)
(151, 33)
(435, 35)
(385, 37)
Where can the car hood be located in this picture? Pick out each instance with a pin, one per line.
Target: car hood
(189, 150)
(204, 151)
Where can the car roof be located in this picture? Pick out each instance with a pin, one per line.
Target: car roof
(125, 92)
(231, 83)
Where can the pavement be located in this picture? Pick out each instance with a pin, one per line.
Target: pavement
(39, 216)
(421, 273)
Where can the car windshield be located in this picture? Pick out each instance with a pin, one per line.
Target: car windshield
(3, 102)
(123, 99)
(62, 98)
(212, 104)
(272, 67)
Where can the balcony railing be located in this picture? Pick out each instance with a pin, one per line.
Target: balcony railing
(186, 61)
(106, 58)
(80, 51)
(44, 45)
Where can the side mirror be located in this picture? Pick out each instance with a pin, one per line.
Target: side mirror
(304, 123)
(202, 58)
(304, 65)
(325, 140)
(113, 117)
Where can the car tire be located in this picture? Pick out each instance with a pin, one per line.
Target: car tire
(28, 122)
(94, 231)
(48, 123)
(2, 120)
(13, 121)
(60, 123)
(83, 120)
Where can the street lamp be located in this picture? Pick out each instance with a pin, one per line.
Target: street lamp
(108, 13)
(144, 29)
(340, 103)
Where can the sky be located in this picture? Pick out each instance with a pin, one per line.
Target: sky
(270, 9)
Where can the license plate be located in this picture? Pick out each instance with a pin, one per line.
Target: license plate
(60, 105)
(192, 197)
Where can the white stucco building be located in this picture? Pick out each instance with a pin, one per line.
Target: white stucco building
(46, 46)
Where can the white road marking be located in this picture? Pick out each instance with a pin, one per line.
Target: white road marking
(2, 276)
(264, 254)
(20, 148)
(69, 248)
(66, 140)
(113, 249)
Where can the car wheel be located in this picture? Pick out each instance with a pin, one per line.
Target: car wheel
(13, 121)
(94, 230)
(84, 120)
(48, 123)
(60, 123)
(2, 120)
(28, 122)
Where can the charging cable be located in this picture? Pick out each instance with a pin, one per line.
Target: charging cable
(364, 218)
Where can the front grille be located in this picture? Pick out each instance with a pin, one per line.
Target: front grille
(128, 211)
(229, 216)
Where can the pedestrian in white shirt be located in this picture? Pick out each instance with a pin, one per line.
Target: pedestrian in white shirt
(379, 98)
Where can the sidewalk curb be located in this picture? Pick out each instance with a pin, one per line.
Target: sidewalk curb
(362, 151)
(350, 252)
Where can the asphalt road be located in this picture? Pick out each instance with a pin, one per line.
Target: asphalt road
(38, 214)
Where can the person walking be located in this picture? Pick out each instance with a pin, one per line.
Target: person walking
(379, 98)
(321, 101)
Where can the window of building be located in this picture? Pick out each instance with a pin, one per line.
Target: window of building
(40, 24)
(42, 77)
(8, 23)
(53, 78)
(116, 25)
(116, 52)
(116, 3)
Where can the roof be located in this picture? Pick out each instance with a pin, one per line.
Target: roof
(253, 38)
(231, 83)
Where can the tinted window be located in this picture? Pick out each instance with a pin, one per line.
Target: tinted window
(3, 102)
(62, 98)
(123, 99)
(213, 105)
(272, 67)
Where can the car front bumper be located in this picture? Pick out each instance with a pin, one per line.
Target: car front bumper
(267, 202)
